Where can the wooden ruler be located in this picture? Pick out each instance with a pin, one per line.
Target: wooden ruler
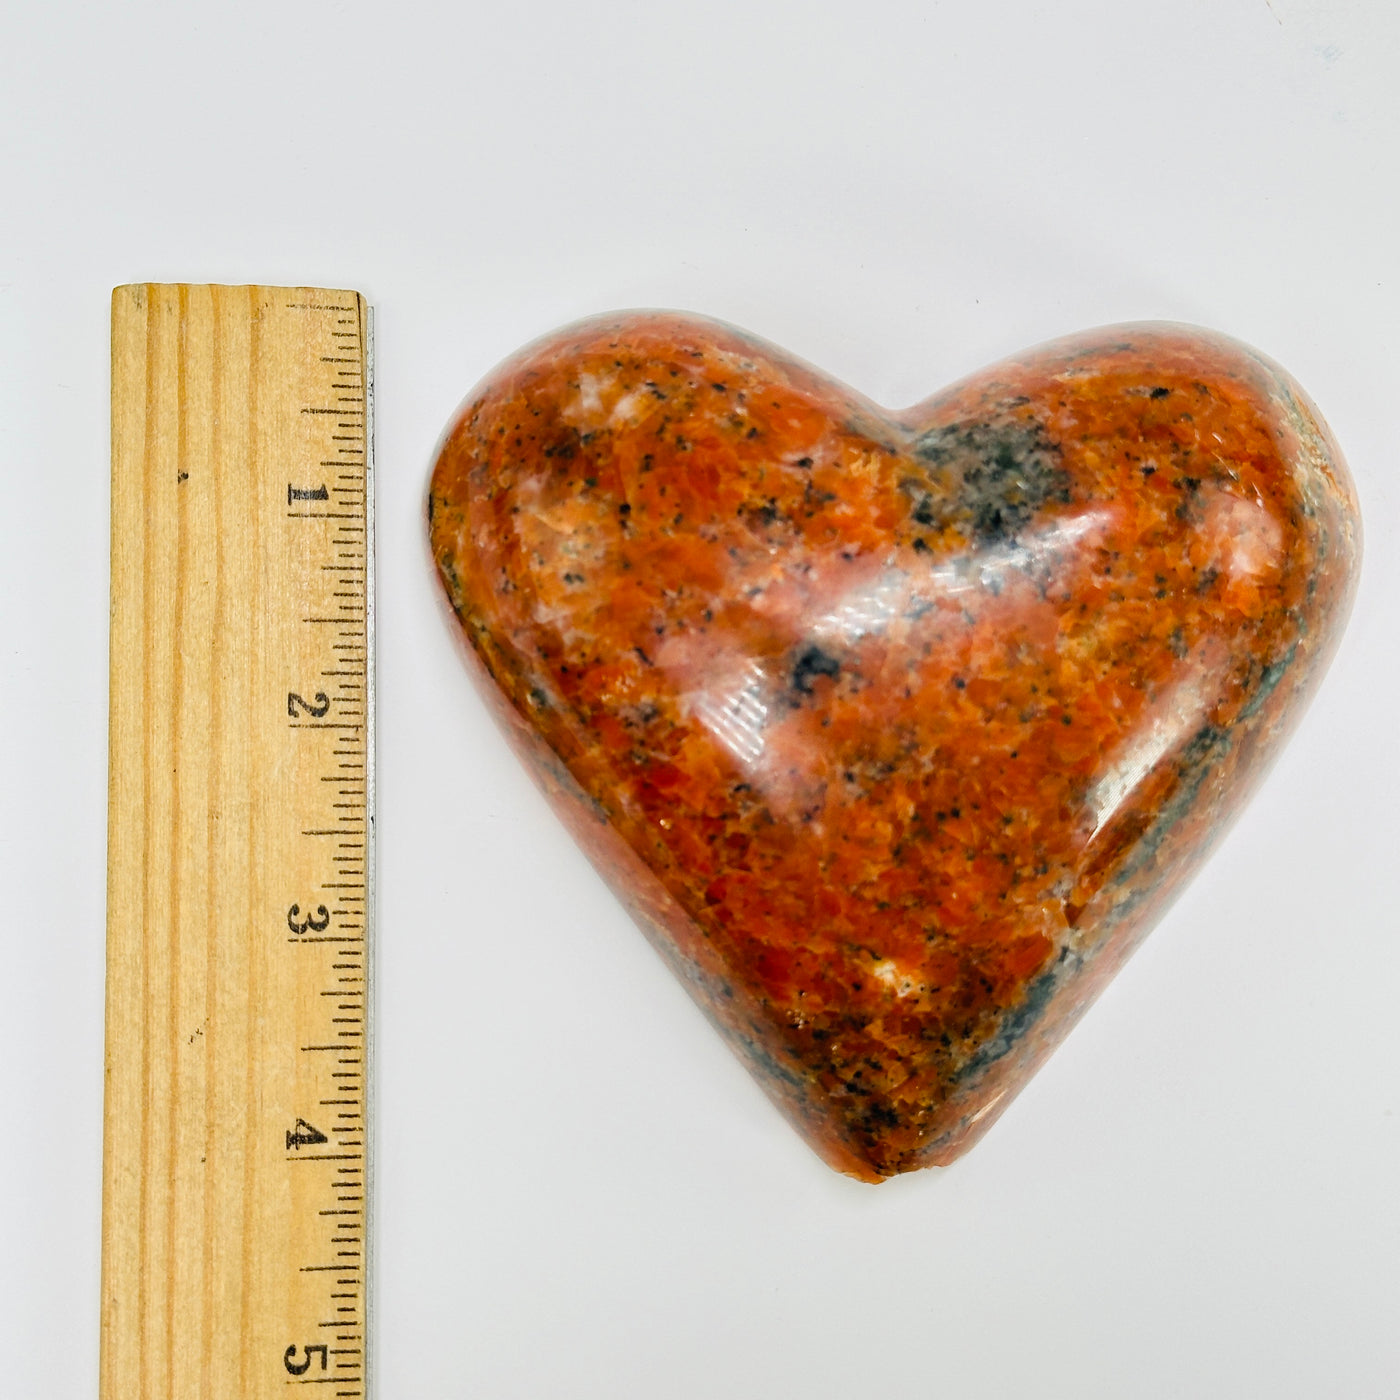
(240, 844)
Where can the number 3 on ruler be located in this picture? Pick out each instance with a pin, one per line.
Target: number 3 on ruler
(319, 920)
(300, 1368)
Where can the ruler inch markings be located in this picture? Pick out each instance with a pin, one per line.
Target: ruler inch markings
(225, 411)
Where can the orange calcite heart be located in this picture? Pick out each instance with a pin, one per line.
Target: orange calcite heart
(894, 731)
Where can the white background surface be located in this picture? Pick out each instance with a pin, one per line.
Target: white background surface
(580, 1193)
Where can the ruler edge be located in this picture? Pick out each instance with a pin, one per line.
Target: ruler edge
(371, 852)
(116, 550)
(114, 545)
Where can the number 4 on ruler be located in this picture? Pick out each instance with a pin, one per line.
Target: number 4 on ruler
(304, 1135)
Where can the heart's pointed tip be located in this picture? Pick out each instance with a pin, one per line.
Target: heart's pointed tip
(852, 1166)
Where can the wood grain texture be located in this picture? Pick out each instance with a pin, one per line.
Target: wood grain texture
(240, 786)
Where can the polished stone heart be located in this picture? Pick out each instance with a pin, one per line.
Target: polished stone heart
(894, 731)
